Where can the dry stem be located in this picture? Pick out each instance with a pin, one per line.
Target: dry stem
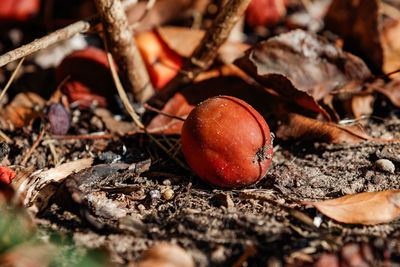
(123, 48)
(54, 37)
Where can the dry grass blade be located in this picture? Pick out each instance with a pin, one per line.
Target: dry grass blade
(131, 111)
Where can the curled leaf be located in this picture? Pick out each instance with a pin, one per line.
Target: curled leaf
(298, 127)
(302, 67)
(362, 208)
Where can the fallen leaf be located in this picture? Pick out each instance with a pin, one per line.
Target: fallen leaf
(366, 32)
(391, 90)
(362, 208)
(302, 67)
(298, 127)
(23, 109)
(113, 125)
(36, 190)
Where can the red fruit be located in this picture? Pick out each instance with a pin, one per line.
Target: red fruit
(18, 10)
(6, 174)
(90, 78)
(227, 142)
(161, 62)
(265, 12)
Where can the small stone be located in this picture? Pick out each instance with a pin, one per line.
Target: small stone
(385, 165)
(167, 182)
(155, 194)
(168, 194)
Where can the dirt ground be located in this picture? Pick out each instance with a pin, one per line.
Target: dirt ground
(262, 223)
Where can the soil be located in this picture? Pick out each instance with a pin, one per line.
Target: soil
(264, 224)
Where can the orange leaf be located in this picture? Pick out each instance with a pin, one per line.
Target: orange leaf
(362, 208)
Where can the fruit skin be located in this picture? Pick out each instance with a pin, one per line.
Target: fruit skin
(265, 12)
(18, 10)
(90, 78)
(227, 142)
(6, 174)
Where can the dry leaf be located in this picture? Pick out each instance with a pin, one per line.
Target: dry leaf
(302, 67)
(366, 32)
(23, 109)
(298, 127)
(362, 208)
(113, 125)
(37, 189)
(391, 90)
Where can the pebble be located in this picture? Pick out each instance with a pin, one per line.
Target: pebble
(385, 165)
(168, 194)
(155, 194)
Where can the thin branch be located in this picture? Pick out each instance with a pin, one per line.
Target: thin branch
(37, 142)
(55, 37)
(67, 32)
(11, 78)
(206, 52)
(123, 48)
(148, 107)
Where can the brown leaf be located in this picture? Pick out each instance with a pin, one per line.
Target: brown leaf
(366, 32)
(302, 67)
(36, 190)
(357, 23)
(362, 208)
(391, 90)
(22, 110)
(298, 127)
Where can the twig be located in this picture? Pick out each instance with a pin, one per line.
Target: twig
(37, 142)
(205, 53)
(147, 106)
(11, 78)
(5, 137)
(123, 48)
(250, 251)
(57, 36)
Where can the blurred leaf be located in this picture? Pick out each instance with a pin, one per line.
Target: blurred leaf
(184, 41)
(362, 208)
(21, 111)
(366, 32)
